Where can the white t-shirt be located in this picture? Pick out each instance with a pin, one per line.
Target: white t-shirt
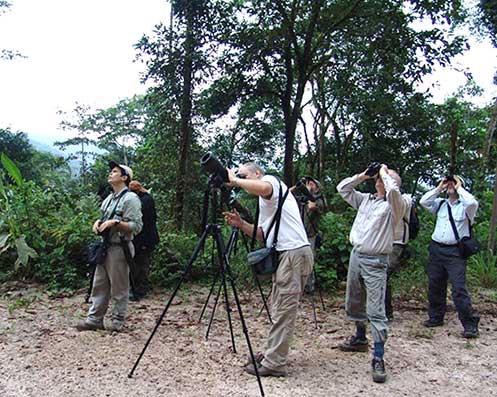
(291, 234)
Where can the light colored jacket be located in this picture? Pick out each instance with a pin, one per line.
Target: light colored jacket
(373, 228)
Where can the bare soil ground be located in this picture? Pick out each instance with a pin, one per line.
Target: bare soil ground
(41, 354)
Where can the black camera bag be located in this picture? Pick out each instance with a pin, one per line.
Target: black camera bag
(97, 252)
(467, 245)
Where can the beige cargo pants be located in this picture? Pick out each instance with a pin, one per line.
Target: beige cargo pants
(294, 268)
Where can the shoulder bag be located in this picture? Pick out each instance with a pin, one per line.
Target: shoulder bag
(467, 245)
(264, 261)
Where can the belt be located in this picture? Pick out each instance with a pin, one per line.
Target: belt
(444, 245)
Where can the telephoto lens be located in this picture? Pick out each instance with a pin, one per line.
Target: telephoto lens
(211, 165)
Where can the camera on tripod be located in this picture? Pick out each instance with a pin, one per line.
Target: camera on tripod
(304, 193)
(211, 165)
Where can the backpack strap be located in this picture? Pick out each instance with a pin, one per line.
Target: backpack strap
(276, 218)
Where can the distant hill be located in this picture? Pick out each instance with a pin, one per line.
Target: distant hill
(49, 148)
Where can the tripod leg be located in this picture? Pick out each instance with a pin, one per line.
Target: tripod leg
(318, 286)
(195, 253)
(262, 308)
(225, 262)
(213, 311)
(208, 297)
(90, 286)
(314, 310)
(228, 311)
(264, 301)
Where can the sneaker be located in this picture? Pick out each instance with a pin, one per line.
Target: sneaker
(430, 323)
(378, 370)
(354, 344)
(86, 326)
(263, 371)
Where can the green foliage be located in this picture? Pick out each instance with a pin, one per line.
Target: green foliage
(333, 256)
(44, 226)
(482, 269)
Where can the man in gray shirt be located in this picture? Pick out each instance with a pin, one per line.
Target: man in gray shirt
(372, 240)
(121, 219)
(445, 262)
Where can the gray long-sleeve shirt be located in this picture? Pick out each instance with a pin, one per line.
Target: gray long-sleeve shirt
(466, 204)
(373, 227)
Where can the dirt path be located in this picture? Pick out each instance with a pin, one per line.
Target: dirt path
(42, 355)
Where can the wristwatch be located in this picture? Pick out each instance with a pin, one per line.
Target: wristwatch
(118, 221)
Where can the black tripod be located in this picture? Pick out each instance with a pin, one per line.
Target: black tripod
(214, 230)
(232, 241)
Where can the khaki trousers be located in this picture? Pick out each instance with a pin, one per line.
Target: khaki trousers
(294, 268)
(111, 281)
(365, 296)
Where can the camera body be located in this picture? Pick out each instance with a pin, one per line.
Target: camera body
(373, 169)
(303, 192)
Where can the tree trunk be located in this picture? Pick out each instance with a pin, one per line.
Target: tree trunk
(453, 147)
(185, 122)
(493, 219)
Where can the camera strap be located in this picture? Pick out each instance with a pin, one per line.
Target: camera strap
(276, 218)
(453, 224)
(121, 195)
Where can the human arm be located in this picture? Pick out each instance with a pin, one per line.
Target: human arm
(468, 200)
(346, 189)
(430, 200)
(234, 219)
(256, 187)
(393, 196)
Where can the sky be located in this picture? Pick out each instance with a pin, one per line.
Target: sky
(81, 51)
(77, 51)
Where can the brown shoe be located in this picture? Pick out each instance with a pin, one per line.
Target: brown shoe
(263, 371)
(259, 356)
(86, 326)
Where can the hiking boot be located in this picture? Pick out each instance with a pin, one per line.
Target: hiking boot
(354, 344)
(471, 331)
(430, 323)
(115, 327)
(263, 371)
(87, 326)
(378, 370)
(259, 356)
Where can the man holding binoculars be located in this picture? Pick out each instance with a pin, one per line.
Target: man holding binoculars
(446, 263)
(372, 240)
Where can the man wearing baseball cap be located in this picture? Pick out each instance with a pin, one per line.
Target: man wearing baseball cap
(120, 220)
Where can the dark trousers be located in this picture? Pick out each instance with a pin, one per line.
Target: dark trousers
(446, 264)
(140, 273)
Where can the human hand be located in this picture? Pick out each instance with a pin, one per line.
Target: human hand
(95, 226)
(233, 218)
(232, 178)
(443, 184)
(106, 225)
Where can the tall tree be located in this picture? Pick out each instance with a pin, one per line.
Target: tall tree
(178, 61)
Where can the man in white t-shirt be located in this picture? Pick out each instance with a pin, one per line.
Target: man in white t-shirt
(295, 260)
